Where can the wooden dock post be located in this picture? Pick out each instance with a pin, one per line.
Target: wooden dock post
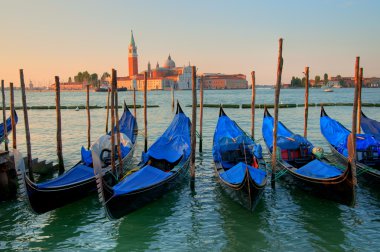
(172, 93)
(113, 165)
(201, 115)
(27, 131)
(360, 100)
(306, 101)
(354, 119)
(4, 117)
(13, 119)
(120, 158)
(134, 102)
(253, 98)
(193, 127)
(88, 117)
(61, 168)
(108, 108)
(145, 113)
(276, 101)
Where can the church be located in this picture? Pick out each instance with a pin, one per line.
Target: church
(160, 78)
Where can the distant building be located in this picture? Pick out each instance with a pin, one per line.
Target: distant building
(224, 81)
(70, 86)
(159, 78)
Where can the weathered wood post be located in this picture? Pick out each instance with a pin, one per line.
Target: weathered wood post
(134, 102)
(27, 131)
(354, 119)
(4, 117)
(145, 113)
(88, 117)
(172, 93)
(13, 119)
(360, 100)
(306, 101)
(113, 165)
(276, 101)
(120, 158)
(61, 168)
(253, 98)
(201, 114)
(193, 127)
(108, 108)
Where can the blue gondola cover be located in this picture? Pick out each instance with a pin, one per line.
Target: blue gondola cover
(77, 173)
(286, 139)
(143, 178)
(336, 134)
(318, 169)
(174, 143)
(9, 125)
(371, 127)
(235, 175)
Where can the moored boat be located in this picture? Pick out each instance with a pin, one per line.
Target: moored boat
(370, 126)
(306, 167)
(78, 181)
(367, 148)
(161, 168)
(8, 122)
(239, 164)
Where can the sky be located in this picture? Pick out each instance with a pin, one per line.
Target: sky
(62, 37)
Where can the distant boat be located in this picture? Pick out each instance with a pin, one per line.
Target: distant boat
(328, 90)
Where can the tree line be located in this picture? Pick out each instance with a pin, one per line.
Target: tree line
(298, 82)
(92, 79)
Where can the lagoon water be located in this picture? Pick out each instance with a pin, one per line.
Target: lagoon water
(286, 219)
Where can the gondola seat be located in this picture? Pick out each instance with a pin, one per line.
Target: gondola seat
(318, 169)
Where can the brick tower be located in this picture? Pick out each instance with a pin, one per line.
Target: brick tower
(132, 57)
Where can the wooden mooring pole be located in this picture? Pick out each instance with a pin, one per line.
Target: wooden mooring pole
(13, 119)
(201, 114)
(253, 98)
(306, 101)
(134, 102)
(27, 131)
(360, 100)
(193, 127)
(4, 117)
(354, 119)
(113, 165)
(108, 108)
(88, 117)
(145, 113)
(276, 101)
(172, 93)
(61, 168)
(120, 158)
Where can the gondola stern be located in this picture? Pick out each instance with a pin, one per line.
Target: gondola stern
(266, 112)
(221, 111)
(179, 109)
(323, 112)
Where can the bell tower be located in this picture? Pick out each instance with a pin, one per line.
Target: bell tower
(132, 57)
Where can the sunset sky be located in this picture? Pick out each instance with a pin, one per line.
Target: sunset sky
(61, 37)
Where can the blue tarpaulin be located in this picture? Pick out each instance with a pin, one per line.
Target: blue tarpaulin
(143, 178)
(228, 137)
(319, 169)
(336, 134)
(286, 139)
(9, 126)
(174, 143)
(235, 175)
(76, 174)
(370, 126)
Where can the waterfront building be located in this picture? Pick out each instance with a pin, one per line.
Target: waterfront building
(70, 86)
(224, 81)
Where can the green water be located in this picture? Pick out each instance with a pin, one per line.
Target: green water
(286, 219)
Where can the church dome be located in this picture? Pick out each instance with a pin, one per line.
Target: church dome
(169, 63)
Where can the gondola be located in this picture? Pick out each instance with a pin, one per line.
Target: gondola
(9, 126)
(79, 181)
(370, 126)
(367, 148)
(239, 164)
(161, 169)
(306, 167)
